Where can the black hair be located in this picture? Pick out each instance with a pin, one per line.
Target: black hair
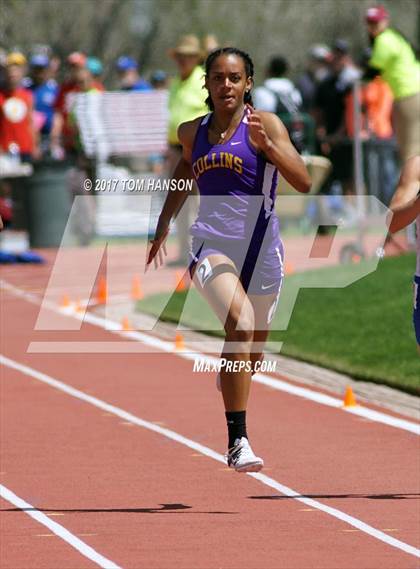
(278, 66)
(248, 64)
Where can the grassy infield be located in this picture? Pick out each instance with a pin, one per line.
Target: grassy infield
(364, 330)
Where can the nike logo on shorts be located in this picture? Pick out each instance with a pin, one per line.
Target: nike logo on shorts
(235, 143)
(268, 286)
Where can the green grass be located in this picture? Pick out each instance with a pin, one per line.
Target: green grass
(364, 329)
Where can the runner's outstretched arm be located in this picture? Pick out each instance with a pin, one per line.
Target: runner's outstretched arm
(405, 204)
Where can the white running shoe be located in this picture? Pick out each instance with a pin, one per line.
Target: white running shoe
(242, 458)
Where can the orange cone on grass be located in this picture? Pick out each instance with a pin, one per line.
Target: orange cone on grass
(289, 269)
(136, 289)
(179, 342)
(349, 398)
(180, 281)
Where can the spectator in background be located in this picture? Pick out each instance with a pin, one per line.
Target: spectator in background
(94, 65)
(159, 79)
(18, 135)
(376, 103)
(394, 58)
(54, 60)
(44, 91)
(278, 94)
(54, 67)
(210, 43)
(3, 59)
(316, 71)
(329, 113)
(129, 77)
(62, 132)
(331, 93)
(187, 101)
(84, 219)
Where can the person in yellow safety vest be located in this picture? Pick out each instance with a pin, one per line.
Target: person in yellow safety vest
(395, 59)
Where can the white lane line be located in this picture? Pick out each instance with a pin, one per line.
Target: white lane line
(165, 346)
(57, 529)
(168, 433)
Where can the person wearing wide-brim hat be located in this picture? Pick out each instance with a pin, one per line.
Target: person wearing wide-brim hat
(187, 101)
(186, 45)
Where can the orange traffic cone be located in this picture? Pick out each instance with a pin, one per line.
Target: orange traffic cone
(125, 324)
(136, 290)
(78, 307)
(180, 281)
(102, 291)
(65, 301)
(349, 398)
(179, 342)
(289, 269)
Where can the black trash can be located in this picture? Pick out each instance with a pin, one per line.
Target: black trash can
(48, 203)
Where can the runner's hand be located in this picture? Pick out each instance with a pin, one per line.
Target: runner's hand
(257, 131)
(158, 247)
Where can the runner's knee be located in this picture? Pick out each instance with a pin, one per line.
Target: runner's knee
(240, 327)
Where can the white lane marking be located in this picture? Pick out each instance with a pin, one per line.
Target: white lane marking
(165, 346)
(355, 522)
(57, 529)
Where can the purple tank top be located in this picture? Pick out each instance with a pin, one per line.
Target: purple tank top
(237, 186)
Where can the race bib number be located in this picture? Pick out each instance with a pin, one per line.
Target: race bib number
(204, 272)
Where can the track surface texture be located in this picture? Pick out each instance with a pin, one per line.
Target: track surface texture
(123, 453)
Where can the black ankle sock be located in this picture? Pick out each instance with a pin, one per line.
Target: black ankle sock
(236, 422)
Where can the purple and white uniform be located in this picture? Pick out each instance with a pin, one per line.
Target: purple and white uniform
(416, 310)
(236, 216)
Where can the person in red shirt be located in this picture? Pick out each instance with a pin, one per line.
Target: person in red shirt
(63, 133)
(17, 130)
(18, 137)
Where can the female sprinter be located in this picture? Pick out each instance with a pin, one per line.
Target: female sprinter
(237, 255)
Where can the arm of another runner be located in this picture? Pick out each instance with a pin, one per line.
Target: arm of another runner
(405, 204)
(174, 199)
(270, 136)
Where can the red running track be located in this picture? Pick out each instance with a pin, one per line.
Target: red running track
(144, 501)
